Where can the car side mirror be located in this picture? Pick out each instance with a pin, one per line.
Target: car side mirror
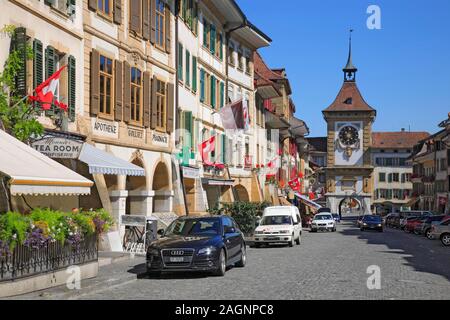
(229, 230)
(160, 232)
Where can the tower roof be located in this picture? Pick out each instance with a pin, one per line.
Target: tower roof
(349, 98)
(349, 66)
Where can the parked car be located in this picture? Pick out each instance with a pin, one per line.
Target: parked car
(323, 209)
(207, 244)
(389, 221)
(407, 214)
(336, 217)
(442, 231)
(424, 228)
(412, 222)
(279, 224)
(323, 221)
(371, 222)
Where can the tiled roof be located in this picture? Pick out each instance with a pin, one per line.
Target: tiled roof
(261, 68)
(349, 99)
(318, 143)
(401, 139)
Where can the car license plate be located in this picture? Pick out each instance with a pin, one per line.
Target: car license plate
(176, 259)
(271, 238)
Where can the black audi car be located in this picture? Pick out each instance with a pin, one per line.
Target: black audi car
(371, 222)
(207, 244)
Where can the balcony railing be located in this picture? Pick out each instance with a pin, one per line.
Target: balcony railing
(26, 261)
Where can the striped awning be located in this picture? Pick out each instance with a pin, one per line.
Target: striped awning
(32, 173)
(308, 202)
(101, 162)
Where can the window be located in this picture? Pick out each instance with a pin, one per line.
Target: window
(68, 6)
(240, 64)
(247, 65)
(202, 85)
(212, 41)
(395, 177)
(382, 177)
(106, 85)
(159, 23)
(104, 7)
(189, 13)
(348, 184)
(206, 34)
(188, 68)
(231, 59)
(160, 105)
(136, 94)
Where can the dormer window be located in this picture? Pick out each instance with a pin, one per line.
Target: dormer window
(348, 101)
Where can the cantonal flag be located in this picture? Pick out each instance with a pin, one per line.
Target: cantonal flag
(235, 115)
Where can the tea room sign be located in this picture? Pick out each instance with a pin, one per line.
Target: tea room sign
(58, 148)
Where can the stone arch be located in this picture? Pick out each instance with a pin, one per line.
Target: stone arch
(354, 203)
(161, 178)
(241, 193)
(162, 187)
(137, 187)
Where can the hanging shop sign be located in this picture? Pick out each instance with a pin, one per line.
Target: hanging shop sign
(58, 148)
(104, 128)
(192, 173)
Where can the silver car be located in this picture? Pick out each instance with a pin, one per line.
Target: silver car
(442, 231)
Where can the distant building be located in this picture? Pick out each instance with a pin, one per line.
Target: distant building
(392, 174)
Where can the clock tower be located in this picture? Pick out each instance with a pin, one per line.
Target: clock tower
(349, 137)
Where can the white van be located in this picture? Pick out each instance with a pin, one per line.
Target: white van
(281, 224)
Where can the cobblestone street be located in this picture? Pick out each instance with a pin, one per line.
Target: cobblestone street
(324, 266)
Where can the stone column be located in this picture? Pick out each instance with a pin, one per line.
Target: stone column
(366, 205)
(141, 202)
(118, 204)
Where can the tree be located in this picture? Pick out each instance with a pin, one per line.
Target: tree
(17, 114)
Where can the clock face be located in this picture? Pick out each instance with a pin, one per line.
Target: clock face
(348, 135)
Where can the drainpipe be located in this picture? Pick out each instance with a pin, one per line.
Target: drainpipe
(177, 104)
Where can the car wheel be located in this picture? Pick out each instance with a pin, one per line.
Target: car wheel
(241, 263)
(428, 234)
(312, 230)
(298, 241)
(292, 242)
(445, 239)
(222, 264)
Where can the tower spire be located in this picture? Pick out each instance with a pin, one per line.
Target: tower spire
(349, 69)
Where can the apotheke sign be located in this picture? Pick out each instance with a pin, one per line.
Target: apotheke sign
(58, 148)
(105, 128)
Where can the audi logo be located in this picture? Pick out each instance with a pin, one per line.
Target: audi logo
(177, 252)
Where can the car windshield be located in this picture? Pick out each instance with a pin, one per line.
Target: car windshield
(335, 215)
(323, 217)
(194, 227)
(372, 218)
(275, 220)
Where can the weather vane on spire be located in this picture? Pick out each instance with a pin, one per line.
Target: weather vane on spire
(349, 69)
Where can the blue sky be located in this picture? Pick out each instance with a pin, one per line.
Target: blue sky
(404, 68)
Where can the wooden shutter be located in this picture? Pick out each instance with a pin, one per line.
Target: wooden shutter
(152, 21)
(202, 85)
(147, 101)
(135, 16)
(205, 32)
(71, 92)
(180, 61)
(20, 45)
(212, 40)
(194, 74)
(93, 4)
(146, 19)
(50, 68)
(224, 147)
(117, 15)
(213, 91)
(153, 104)
(170, 106)
(95, 82)
(126, 92)
(118, 90)
(188, 68)
(38, 67)
(222, 94)
(188, 127)
(167, 29)
(221, 46)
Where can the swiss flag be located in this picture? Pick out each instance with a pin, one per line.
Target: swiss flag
(206, 147)
(45, 92)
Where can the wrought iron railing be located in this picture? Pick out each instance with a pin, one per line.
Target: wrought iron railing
(26, 261)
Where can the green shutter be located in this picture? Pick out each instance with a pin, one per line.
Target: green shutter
(213, 153)
(188, 68)
(180, 61)
(221, 46)
(194, 74)
(195, 19)
(187, 139)
(205, 32)
(38, 67)
(213, 92)
(222, 94)
(212, 42)
(71, 96)
(20, 45)
(202, 85)
(50, 68)
(224, 147)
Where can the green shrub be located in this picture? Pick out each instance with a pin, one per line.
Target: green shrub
(13, 228)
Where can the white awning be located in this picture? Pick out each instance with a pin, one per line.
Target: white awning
(33, 173)
(101, 162)
(308, 201)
